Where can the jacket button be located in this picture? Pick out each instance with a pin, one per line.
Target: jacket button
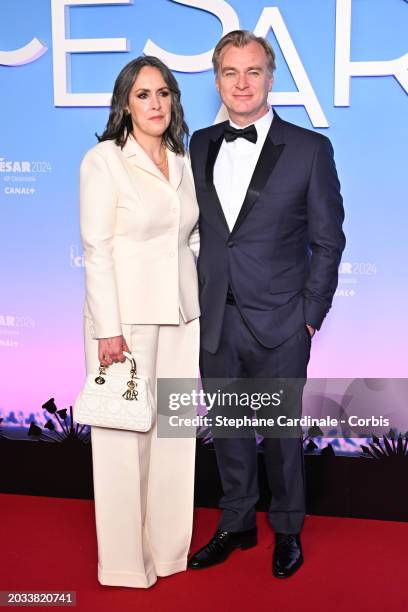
(230, 243)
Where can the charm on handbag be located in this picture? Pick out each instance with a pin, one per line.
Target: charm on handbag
(131, 394)
(99, 379)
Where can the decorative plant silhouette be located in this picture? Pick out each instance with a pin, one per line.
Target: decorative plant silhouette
(390, 448)
(312, 432)
(69, 430)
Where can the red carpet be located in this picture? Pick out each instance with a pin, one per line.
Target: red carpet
(49, 543)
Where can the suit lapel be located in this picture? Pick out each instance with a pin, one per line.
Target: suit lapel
(136, 156)
(267, 160)
(176, 168)
(215, 204)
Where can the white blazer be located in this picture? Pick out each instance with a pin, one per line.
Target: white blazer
(138, 232)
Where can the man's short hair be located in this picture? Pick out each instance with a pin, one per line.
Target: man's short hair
(241, 38)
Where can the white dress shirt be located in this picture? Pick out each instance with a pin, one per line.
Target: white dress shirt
(235, 166)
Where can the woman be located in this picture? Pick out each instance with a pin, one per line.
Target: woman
(138, 213)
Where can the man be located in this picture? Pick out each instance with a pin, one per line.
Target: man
(271, 241)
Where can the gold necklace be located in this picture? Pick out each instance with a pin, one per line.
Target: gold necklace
(165, 163)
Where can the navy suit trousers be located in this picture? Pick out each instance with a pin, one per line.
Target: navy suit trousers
(240, 355)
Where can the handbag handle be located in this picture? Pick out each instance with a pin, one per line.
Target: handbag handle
(131, 393)
(102, 369)
(132, 361)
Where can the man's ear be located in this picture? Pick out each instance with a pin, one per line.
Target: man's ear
(217, 83)
(271, 83)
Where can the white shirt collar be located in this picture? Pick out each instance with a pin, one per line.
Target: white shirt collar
(262, 124)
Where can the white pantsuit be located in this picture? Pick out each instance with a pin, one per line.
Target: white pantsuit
(144, 484)
(138, 232)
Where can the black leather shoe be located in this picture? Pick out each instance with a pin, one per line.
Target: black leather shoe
(221, 546)
(287, 556)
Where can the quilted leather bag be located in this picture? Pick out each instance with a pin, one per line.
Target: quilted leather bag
(116, 401)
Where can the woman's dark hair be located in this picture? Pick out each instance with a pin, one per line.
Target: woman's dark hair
(119, 124)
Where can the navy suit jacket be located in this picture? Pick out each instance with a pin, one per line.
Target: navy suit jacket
(282, 256)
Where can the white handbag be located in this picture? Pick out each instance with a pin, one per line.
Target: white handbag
(115, 401)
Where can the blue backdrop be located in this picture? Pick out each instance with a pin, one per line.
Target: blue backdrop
(45, 131)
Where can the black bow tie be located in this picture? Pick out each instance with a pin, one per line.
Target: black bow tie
(249, 133)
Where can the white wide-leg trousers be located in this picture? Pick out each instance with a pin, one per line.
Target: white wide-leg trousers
(143, 484)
